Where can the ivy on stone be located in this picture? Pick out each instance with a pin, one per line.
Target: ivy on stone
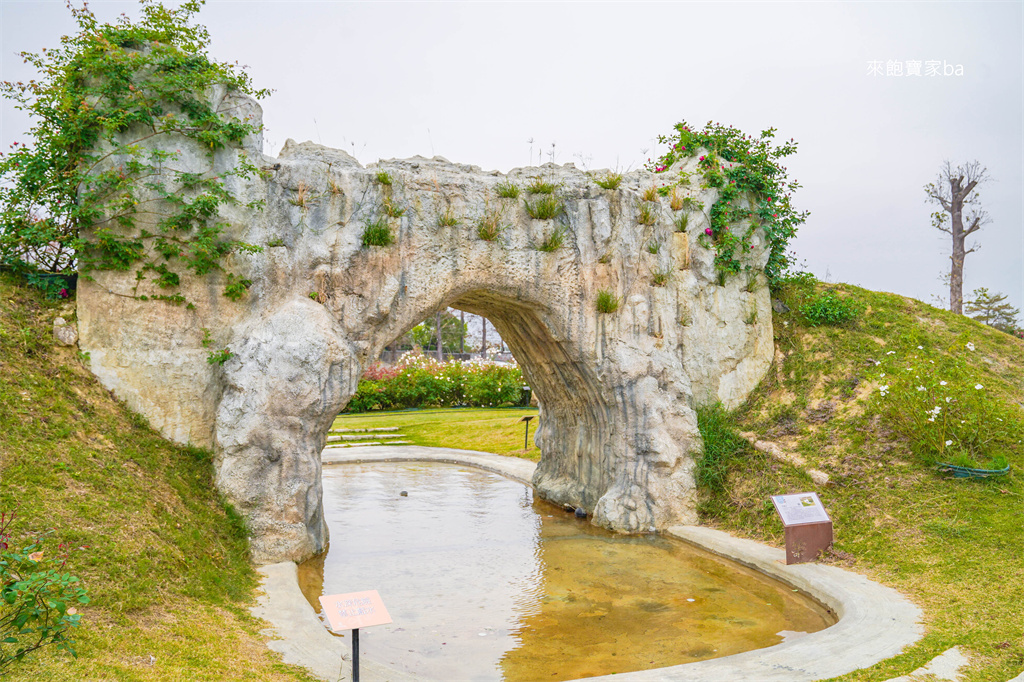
(97, 186)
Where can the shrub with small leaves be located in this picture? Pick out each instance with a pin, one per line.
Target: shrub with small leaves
(383, 178)
(828, 308)
(38, 596)
(219, 357)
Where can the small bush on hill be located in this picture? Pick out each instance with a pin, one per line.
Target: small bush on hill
(829, 308)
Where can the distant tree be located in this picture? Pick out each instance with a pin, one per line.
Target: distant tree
(954, 192)
(993, 310)
(452, 332)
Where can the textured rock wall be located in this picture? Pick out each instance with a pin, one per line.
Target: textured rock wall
(617, 431)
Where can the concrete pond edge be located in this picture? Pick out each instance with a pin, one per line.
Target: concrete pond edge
(875, 622)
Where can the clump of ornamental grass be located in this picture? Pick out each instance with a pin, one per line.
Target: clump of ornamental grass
(545, 208)
(507, 190)
(541, 186)
(609, 181)
(606, 302)
(378, 233)
(553, 241)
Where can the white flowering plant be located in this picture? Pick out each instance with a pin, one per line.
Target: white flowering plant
(936, 403)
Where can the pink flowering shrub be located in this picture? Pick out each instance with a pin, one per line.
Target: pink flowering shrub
(418, 380)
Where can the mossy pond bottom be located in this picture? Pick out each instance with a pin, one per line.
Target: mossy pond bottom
(485, 583)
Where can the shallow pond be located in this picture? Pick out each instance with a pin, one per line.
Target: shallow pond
(485, 583)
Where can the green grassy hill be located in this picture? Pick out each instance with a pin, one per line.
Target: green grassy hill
(954, 546)
(165, 564)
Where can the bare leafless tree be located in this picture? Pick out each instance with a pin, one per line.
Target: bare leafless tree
(954, 192)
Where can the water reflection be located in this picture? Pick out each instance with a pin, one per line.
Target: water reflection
(485, 584)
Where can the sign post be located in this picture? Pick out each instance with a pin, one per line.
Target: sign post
(526, 436)
(352, 611)
(808, 527)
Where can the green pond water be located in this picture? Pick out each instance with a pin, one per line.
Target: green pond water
(484, 582)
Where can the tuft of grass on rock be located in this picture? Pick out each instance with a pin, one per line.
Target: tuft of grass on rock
(507, 190)
(606, 302)
(609, 181)
(378, 233)
(545, 208)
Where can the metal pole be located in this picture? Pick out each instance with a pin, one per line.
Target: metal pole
(355, 655)
(462, 332)
(440, 343)
(526, 437)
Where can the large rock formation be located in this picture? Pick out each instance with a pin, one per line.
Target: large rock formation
(617, 430)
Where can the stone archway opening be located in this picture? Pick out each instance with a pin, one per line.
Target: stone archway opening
(617, 384)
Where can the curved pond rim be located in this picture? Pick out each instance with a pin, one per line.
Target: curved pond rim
(874, 622)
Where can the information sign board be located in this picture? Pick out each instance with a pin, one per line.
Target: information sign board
(808, 527)
(800, 508)
(354, 610)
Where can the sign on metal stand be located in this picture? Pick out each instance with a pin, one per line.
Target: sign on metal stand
(808, 527)
(352, 611)
(526, 436)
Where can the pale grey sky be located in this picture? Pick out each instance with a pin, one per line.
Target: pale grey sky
(475, 81)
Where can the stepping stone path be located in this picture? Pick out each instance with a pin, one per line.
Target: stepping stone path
(355, 438)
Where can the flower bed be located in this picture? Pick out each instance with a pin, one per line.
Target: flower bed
(421, 381)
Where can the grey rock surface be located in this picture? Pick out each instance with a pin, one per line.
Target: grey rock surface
(64, 333)
(617, 390)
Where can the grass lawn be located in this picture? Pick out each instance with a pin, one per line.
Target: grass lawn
(498, 430)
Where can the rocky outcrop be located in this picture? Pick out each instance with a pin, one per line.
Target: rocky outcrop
(617, 390)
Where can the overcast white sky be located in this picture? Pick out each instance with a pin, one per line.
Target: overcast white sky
(475, 81)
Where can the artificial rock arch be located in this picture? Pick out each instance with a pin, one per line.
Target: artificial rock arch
(617, 390)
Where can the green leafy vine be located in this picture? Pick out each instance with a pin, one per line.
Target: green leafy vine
(102, 184)
(751, 185)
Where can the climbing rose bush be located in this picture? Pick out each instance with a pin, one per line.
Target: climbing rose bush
(421, 381)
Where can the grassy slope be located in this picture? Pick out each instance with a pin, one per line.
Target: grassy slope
(166, 566)
(956, 547)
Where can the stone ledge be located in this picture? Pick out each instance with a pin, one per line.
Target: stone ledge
(875, 622)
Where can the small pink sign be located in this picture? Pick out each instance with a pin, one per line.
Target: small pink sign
(354, 610)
